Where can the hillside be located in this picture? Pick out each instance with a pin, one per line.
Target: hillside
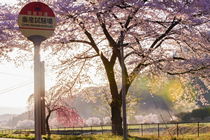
(15, 119)
(6, 117)
(155, 105)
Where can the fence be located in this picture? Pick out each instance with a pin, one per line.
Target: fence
(155, 129)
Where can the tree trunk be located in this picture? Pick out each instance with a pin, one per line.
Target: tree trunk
(116, 97)
(115, 106)
(116, 118)
(47, 124)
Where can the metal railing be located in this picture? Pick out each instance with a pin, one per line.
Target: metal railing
(155, 129)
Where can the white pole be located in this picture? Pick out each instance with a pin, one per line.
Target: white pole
(37, 92)
(123, 90)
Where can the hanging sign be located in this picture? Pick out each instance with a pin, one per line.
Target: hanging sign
(36, 18)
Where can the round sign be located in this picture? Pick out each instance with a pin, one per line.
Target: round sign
(36, 18)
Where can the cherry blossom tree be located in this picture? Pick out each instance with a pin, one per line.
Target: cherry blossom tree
(151, 118)
(7, 23)
(106, 120)
(160, 37)
(25, 124)
(61, 106)
(15, 48)
(93, 121)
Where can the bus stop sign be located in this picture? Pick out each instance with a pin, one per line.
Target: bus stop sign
(36, 18)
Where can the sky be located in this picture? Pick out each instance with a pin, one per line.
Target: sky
(8, 1)
(16, 85)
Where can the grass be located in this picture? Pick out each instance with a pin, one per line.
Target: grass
(108, 137)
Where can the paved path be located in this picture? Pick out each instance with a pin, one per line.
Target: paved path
(11, 139)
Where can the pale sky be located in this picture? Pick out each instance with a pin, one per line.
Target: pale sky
(8, 1)
(16, 84)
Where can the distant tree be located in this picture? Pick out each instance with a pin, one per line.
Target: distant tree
(66, 115)
(93, 121)
(107, 120)
(196, 114)
(151, 118)
(132, 120)
(201, 113)
(174, 118)
(25, 124)
(183, 116)
(21, 117)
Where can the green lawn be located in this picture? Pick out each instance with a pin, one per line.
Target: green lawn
(110, 137)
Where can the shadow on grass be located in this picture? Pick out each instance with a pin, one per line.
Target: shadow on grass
(105, 137)
(141, 138)
(78, 137)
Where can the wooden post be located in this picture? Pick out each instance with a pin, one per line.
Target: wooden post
(91, 130)
(142, 129)
(206, 127)
(177, 130)
(82, 131)
(198, 128)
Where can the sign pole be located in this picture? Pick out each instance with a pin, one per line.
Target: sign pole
(42, 93)
(37, 88)
(37, 22)
(123, 89)
(37, 91)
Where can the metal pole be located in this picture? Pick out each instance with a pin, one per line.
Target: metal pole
(37, 92)
(42, 94)
(123, 89)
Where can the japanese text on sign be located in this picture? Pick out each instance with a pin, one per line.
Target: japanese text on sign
(31, 21)
(37, 13)
(43, 20)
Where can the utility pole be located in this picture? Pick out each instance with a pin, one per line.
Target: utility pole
(123, 88)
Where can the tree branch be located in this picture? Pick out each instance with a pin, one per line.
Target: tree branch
(134, 52)
(112, 43)
(86, 57)
(173, 24)
(77, 41)
(188, 71)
